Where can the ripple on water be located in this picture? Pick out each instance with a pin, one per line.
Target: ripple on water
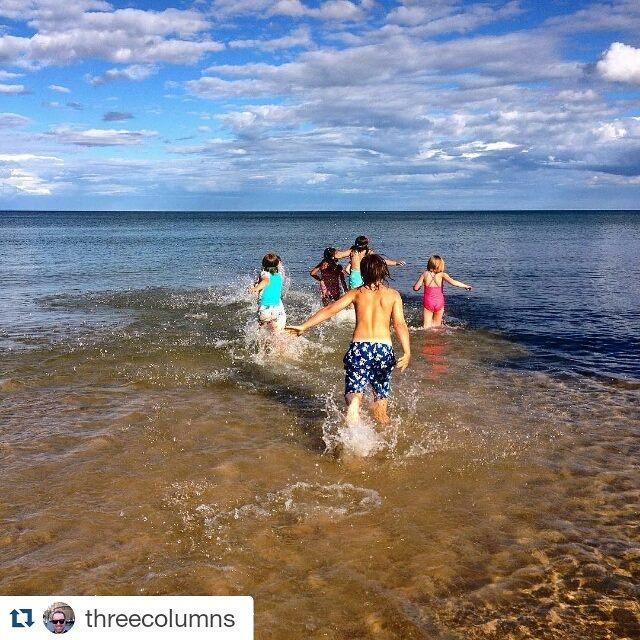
(295, 503)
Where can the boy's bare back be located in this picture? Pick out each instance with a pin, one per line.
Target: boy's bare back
(375, 309)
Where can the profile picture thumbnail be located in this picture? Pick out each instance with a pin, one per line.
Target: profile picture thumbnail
(59, 617)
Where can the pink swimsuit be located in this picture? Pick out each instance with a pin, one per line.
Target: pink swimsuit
(433, 297)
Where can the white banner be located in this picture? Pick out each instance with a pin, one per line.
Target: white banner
(126, 617)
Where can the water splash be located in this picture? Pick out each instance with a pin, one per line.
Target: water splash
(297, 502)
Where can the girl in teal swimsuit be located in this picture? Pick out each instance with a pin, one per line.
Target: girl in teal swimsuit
(271, 311)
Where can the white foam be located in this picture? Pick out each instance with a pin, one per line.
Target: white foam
(361, 439)
(305, 500)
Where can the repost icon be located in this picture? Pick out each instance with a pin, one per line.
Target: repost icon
(21, 618)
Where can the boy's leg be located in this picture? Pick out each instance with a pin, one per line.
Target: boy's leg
(427, 317)
(353, 400)
(437, 318)
(379, 410)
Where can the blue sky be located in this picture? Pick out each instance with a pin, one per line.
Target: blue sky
(330, 104)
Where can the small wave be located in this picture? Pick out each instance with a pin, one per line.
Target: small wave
(293, 504)
(302, 499)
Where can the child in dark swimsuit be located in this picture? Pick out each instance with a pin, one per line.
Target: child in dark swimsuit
(331, 276)
(433, 280)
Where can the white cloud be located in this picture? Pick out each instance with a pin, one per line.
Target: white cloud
(52, 10)
(65, 35)
(100, 137)
(27, 157)
(59, 89)
(15, 89)
(318, 178)
(25, 182)
(9, 75)
(12, 120)
(298, 38)
(610, 131)
(332, 10)
(448, 17)
(134, 73)
(620, 63)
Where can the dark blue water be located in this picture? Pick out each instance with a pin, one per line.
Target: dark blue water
(564, 284)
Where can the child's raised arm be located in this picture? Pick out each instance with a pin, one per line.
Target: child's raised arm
(342, 253)
(456, 283)
(315, 272)
(260, 285)
(417, 285)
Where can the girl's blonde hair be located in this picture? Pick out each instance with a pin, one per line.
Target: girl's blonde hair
(435, 264)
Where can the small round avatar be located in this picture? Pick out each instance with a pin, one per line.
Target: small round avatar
(59, 617)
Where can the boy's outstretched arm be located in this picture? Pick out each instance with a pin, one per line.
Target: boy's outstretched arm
(456, 283)
(324, 314)
(418, 283)
(391, 262)
(402, 331)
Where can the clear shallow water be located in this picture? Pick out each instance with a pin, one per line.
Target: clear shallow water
(501, 502)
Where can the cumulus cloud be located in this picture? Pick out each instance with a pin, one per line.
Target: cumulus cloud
(15, 89)
(59, 89)
(133, 73)
(298, 38)
(50, 10)
(332, 10)
(27, 157)
(12, 120)
(125, 35)
(100, 137)
(448, 17)
(25, 182)
(114, 116)
(9, 75)
(620, 63)
(254, 121)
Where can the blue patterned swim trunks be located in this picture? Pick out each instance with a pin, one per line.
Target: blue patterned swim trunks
(368, 363)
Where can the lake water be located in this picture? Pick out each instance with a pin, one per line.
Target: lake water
(147, 444)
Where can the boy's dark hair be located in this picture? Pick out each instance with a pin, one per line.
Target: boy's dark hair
(270, 263)
(374, 269)
(361, 243)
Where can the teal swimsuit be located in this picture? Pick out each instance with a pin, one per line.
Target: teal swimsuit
(355, 279)
(271, 295)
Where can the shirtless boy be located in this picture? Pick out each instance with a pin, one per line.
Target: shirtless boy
(370, 358)
(356, 253)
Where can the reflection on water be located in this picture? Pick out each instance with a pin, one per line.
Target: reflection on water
(154, 450)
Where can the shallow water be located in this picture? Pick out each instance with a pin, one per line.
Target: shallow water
(148, 446)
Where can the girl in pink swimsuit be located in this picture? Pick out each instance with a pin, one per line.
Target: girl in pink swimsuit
(433, 280)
